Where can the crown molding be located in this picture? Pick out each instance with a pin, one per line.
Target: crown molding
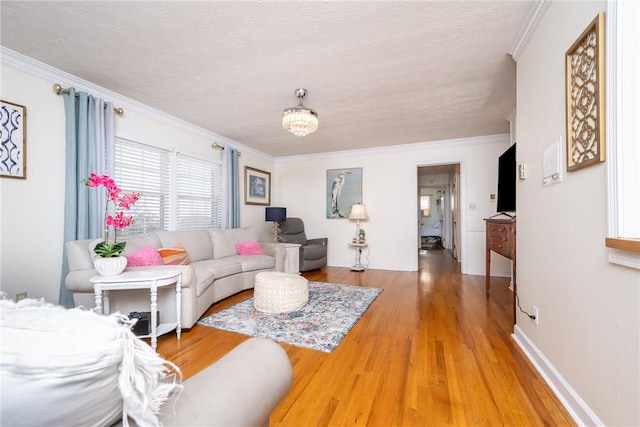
(391, 149)
(41, 70)
(535, 15)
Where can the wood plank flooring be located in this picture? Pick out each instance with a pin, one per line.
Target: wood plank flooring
(431, 350)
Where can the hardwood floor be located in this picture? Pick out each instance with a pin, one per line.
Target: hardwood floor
(430, 351)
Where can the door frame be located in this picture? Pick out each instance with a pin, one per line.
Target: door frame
(462, 189)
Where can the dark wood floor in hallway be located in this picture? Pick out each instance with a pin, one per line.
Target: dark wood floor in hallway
(431, 350)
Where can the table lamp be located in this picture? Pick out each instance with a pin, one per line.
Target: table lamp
(358, 212)
(275, 215)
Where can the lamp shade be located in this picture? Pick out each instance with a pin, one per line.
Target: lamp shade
(358, 211)
(275, 214)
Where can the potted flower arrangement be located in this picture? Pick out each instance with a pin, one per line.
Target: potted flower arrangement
(110, 260)
(362, 236)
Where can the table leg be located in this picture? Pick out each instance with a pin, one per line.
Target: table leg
(105, 302)
(154, 315)
(98, 298)
(487, 278)
(179, 306)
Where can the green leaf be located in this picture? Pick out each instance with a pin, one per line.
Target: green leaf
(109, 249)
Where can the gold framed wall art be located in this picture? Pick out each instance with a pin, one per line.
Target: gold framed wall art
(257, 187)
(585, 103)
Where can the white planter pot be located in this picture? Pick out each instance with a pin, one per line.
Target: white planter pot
(110, 266)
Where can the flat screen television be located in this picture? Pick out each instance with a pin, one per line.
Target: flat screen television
(507, 180)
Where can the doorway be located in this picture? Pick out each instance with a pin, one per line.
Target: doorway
(438, 209)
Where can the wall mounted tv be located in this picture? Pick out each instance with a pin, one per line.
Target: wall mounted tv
(507, 180)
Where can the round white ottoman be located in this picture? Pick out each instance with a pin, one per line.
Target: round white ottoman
(276, 292)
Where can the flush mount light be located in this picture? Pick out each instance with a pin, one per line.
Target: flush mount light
(300, 120)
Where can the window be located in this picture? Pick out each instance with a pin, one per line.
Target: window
(199, 193)
(425, 205)
(623, 132)
(177, 191)
(145, 170)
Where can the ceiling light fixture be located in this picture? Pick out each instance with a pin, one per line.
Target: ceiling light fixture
(300, 120)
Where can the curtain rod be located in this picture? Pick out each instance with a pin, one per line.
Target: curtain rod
(221, 147)
(59, 90)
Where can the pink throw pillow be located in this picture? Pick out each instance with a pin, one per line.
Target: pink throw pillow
(143, 257)
(249, 248)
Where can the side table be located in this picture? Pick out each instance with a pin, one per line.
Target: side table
(150, 279)
(358, 265)
(501, 238)
(291, 257)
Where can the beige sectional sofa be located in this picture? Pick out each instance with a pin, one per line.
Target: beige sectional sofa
(215, 271)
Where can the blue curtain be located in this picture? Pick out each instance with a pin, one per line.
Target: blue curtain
(231, 182)
(83, 217)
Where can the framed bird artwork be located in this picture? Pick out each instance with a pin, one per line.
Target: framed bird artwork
(344, 189)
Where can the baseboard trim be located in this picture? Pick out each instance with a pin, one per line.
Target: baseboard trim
(571, 400)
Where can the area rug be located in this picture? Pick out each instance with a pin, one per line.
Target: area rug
(320, 325)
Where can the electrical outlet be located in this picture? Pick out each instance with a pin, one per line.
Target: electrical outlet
(535, 314)
(21, 295)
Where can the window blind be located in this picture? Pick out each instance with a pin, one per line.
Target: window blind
(145, 170)
(199, 193)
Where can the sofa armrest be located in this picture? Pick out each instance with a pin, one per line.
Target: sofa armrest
(275, 250)
(241, 389)
(78, 280)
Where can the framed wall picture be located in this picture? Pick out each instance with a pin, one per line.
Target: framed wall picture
(344, 189)
(13, 140)
(257, 187)
(585, 104)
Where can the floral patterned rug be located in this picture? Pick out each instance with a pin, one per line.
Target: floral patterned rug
(320, 325)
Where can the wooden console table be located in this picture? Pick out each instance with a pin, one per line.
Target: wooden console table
(501, 238)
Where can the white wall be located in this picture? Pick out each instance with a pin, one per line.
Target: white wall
(589, 326)
(390, 186)
(32, 210)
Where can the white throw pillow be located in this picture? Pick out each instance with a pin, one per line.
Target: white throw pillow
(76, 368)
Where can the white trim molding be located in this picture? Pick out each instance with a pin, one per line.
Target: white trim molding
(535, 16)
(575, 405)
(457, 142)
(41, 70)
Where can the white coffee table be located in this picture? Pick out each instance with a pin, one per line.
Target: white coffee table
(149, 279)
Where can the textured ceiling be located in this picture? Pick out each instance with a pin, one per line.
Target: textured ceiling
(377, 73)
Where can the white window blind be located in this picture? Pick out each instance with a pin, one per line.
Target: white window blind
(199, 193)
(145, 170)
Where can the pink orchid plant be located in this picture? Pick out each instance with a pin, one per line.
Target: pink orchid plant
(117, 220)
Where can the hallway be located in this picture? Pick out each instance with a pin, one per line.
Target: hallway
(440, 259)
